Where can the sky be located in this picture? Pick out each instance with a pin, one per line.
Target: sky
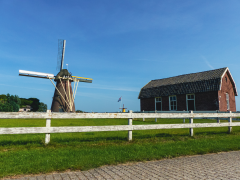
(120, 44)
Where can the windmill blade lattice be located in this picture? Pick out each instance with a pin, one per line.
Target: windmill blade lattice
(61, 52)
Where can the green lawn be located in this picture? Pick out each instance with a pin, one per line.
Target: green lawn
(27, 154)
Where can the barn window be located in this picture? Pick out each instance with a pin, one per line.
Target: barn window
(190, 102)
(226, 79)
(172, 103)
(158, 103)
(227, 99)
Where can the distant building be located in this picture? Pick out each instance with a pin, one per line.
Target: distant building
(203, 91)
(27, 108)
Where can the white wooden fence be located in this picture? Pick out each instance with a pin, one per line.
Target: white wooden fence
(130, 116)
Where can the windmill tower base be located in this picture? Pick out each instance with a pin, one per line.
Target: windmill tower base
(63, 101)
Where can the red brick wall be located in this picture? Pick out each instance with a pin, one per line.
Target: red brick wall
(226, 87)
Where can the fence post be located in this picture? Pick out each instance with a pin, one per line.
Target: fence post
(48, 124)
(184, 118)
(155, 118)
(130, 123)
(218, 119)
(143, 118)
(191, 122)
(230, 121)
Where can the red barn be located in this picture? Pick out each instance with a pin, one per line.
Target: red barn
(203, 91)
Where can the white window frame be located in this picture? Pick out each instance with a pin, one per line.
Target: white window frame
(190, 99)
(227, 99)
(170, 103)
(158, 102)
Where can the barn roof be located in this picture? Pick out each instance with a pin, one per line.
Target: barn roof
(186, 84)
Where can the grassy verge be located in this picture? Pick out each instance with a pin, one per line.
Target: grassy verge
(27, 154)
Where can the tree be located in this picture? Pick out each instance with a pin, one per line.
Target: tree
(3, 100)
(35, 104)
(25, 102)
(1, 106)
(12, 103)
(9, 103)
(79, 111)
(42, 107)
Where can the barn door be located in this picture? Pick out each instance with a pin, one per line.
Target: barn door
(190, 102)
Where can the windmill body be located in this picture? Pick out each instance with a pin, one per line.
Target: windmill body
(64, 94)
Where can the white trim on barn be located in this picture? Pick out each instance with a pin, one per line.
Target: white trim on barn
(190, 99)
(234, 85)
(157, 100)
(170, 103)
(227, 99)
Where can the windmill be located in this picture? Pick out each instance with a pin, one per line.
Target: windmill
(123, 108)
(64, 95)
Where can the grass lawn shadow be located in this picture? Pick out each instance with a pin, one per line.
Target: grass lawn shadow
(5, 143)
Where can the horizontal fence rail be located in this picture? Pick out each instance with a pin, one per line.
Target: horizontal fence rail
(130, 115)
(42, 115)
(67, 129)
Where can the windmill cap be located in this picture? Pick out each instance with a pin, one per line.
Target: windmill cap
(62, 73)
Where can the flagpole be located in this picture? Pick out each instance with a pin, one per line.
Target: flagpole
(120, 106)
(121, 100)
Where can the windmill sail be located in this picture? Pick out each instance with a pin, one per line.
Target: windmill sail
(36, 74)
(61, 52)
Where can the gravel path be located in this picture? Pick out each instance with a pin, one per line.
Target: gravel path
(224, 165)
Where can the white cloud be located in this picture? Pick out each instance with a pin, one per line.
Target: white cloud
(206, 61)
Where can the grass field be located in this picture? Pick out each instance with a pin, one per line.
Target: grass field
(27, 154)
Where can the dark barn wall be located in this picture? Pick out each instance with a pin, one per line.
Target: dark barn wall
(147, 104)
(165, 103)
(206, 101)
(181, 102)
(203, 101)
(227, 87)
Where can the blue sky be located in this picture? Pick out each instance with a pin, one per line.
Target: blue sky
(121, 44)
